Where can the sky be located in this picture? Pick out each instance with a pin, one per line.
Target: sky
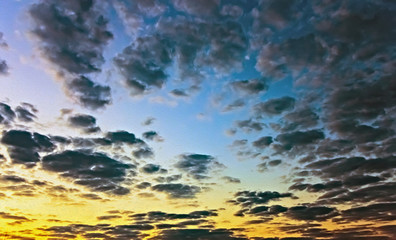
(198, 119)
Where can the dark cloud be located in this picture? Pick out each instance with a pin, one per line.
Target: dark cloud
(74, 43)
(143, 63)
(144, 152)
(153, 168)
(7, 115)
(249, 125)
(231, 10)
(152, 135)
(345, 166)
(3, 43)
(235, 105)
(23, 146)
(179, 93)
(94, 170)
(251, 198)
(300, 119)
(3, 67)
(168, 179)
(199, 7)
(12, 179)
(215, 234)
(25, 112)
(90, 94)
(275, 106)
(197, 165)
(298, 138)
(263, 142)
(177, 190)
(85, 122)
(123, 137)
(143, 185)
(318, 213)
(157, 216)
(5, 215)
(251, 86)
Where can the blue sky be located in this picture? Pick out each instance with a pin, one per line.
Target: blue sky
(207, 119)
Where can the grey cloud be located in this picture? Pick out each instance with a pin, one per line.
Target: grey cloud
(235, 105)
(251, 86)
(24, 146)
(249, 125)
(73, 45)
(275, 106)
(251, 198)
(94, 170)
(153, 168)
(197, 165)
(199, 7)
(143, 185)
(148, 121)
(3, 43)
(123, 137)
(143, 63)
(179, 93)
(263, 142)
(26, 112)
(300, 119)
(177, 190)
(231, 10)
(152, 135)
(7, 115)
(90, 94)
(85, 122)
(344, 166)
(3, 67)
(231, 179)
(144, 152)
(214, 234)
(298, 138)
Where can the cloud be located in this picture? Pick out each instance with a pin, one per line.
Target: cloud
(199, 7)
(197, 165)
(215, 234)
(251, 198)
(94, 170)
(85, 122)
(274, 106)
(153, 168)
(9, 216)
(143, 63)
(298, 138)
(3, 43)
(235, 105)
(177, 190)
(119, 137)
(231, 179)
(23, 146)
(3, 67)
(249, 125)
(90, 94)
(7, 115)
(148, 121)
(251, 86)
(263, 142)
(152, 135)
(317, 213)
(74, 46)
(25, 112)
